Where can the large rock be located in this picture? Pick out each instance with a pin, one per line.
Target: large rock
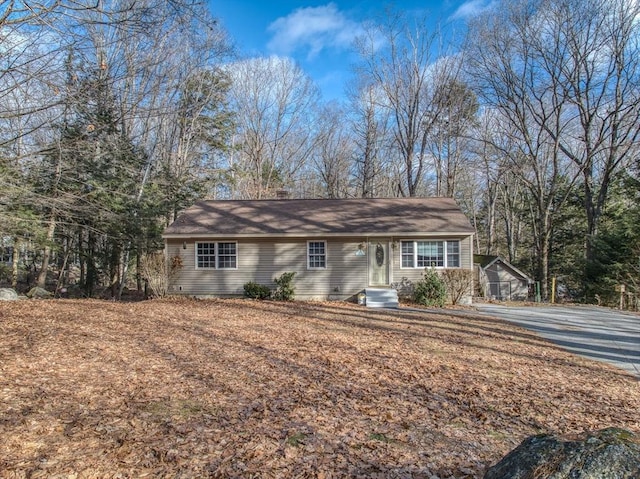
(607, 454)
(8, 294)
(39, 293)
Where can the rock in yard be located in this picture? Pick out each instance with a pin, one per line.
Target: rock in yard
(38, 293)
(8, 294)
(607, 454)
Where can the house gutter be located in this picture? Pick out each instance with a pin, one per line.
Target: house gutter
(317, 234)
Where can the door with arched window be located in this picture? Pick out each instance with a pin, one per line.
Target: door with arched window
(379, 262)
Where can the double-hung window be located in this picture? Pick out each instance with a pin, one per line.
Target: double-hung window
(453, 254)
(430, 254)
(316, 254)
(217, 255)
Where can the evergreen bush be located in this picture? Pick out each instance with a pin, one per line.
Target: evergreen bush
(284, 287)
(256, 291)
(430, 290)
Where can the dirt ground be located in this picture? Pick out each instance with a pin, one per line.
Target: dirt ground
(233, 388)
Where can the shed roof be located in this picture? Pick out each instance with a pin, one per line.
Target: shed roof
(485, 261)
(289, 217)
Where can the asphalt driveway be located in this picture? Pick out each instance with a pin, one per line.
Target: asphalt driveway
(597, 333)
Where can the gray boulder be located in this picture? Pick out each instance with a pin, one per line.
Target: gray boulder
(606, 454)
(39, 293)
(8, 294)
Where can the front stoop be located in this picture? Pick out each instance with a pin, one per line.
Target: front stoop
(381, 297)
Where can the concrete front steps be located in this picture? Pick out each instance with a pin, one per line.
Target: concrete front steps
(381, 297)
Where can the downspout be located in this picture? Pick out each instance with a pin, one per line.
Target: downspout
(368, 256)
(471, 264)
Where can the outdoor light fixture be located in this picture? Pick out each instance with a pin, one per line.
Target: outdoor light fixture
(184, 245)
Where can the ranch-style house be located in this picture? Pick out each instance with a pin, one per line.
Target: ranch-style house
(338, 248)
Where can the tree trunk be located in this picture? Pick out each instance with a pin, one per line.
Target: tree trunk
(14, 263)
(46, 255)
(114, 269)
(543, 241)
(544, 267)
(491, 222)
(594, 204)
(138, 270)
(63, 268)
(81, 258)
(123, 270)
(92, 272)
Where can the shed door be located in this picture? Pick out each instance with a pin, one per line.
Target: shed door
(379, 263)
(501, 290)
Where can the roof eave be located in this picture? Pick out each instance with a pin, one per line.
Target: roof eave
(523, 275)
(366, 234)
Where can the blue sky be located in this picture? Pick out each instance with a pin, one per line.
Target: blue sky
(319, 34)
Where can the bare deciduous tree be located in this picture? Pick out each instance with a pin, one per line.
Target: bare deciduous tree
(564, 75)
(333, 152)
(527, 116)
(399, 62)
(370, 134)
(457, 106)
(272, 99)
(590, 55)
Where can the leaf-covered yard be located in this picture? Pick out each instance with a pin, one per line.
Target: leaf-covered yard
(234, 388)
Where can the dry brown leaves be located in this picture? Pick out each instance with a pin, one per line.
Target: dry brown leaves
(233, 388)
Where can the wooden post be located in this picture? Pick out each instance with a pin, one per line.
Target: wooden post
(621, 288)
(553, 290)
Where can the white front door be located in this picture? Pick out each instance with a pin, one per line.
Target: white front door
(379, 263)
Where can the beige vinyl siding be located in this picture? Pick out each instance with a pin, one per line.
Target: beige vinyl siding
(262, 260)
(511, 285)
(344, 276)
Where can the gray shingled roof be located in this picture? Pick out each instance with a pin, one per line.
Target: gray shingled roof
(388, 216)
(484, 260)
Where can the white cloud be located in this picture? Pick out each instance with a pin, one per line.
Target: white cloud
(471, 9)
(314, 29)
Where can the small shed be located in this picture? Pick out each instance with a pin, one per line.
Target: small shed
(499, 279)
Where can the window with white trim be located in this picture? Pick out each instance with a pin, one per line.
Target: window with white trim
(316, 254)
(430, 254)
(217, 255)
(453, 254)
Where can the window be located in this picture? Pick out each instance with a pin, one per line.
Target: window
(206, 255)
(407, 254)
(227, 256)
(430, 254)
(6, 254)
(453, 254)
(316, 254)
(217, 255)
